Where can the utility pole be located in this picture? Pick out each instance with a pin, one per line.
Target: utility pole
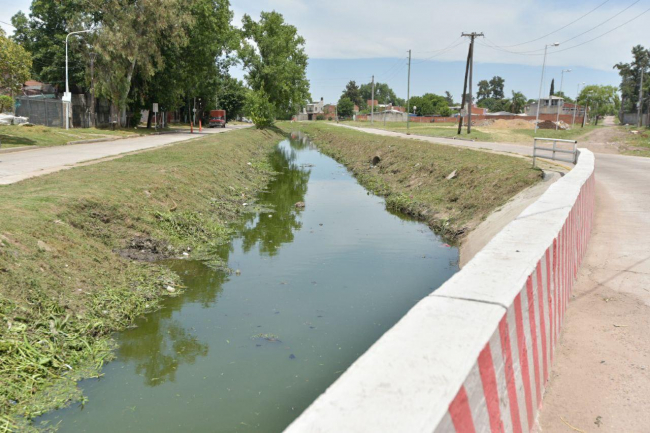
(92, 89)
(557, 120)
(541, 83)
(640, 104)
(67, 96)
(472, 36)
(372, 102)
(462, 104)
(408, 98)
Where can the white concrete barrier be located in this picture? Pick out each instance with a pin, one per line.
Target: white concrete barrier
(476, 354)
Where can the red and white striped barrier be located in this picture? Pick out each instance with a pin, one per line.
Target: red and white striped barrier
(475, 355)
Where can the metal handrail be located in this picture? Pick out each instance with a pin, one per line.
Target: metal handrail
(555, 150)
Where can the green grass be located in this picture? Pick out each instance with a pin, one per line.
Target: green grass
(64, 287)
(479, 133)
(38, 135)
(412, 175)
(636, 144)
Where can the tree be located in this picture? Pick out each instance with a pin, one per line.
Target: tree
(231, 97)
(15, 65)
(631, 78)
(483, 90)
(449, 98)
(6, 103)
(353, 93)
(273, 54)
(430, 104)
(260, 109)
(552, 91)
(601, 100)
(517, 102)
(383, 93)
(345, 106)
(496, 87)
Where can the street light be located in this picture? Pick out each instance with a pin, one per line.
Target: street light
(575, 108)
(67, 96)
(558, 102)
(541, 83)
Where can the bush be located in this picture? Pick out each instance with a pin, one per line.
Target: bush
(329, 118)
(320, 117)
(6, 103)
(259, 109)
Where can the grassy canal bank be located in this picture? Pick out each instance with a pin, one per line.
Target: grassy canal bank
(67, 244)
(413, 175)
(77, 247)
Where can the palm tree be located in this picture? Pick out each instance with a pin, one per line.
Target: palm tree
(518, 102)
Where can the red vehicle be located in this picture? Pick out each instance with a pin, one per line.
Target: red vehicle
(217, 118)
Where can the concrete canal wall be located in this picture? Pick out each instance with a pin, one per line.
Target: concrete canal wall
(475, 355)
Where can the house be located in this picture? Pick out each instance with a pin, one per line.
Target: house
(311, 111)
(36, 89)
(553, 105)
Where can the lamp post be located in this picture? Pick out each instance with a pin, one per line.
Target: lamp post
(67, 96)
(557, 120)
(541, 83)
(575, 108)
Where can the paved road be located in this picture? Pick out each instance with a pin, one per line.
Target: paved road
(601, 373)
(20, 165)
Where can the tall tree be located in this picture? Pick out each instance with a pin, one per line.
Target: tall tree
(552, 91)
(15, 65)
(383, 93)
(273, 54)
(631, 78)
(496, 87)
(231, 97)
(484, 90)
(353, 93)
(131, 36)
(601, 100)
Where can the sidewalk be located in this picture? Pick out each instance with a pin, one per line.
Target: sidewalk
(20, 165)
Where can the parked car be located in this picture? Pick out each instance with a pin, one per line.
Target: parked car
(217, 118)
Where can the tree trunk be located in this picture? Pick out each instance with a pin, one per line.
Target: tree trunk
(125, 95)
(149, 117)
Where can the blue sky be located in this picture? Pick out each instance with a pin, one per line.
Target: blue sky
(354, 40)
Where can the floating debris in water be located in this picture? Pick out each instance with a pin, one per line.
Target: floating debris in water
(171, 289)
(237, 272)
(268, 337)
(292, 356)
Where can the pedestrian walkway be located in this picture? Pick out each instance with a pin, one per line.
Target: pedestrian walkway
(17, 166)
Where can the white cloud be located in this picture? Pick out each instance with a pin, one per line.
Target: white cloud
(383, 28)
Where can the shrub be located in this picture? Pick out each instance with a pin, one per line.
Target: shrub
(259, 109)
(6, 103)
(320, 117)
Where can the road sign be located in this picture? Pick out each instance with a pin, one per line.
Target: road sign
(155, 107)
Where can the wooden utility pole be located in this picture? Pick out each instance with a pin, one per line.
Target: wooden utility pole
(472, 36)
(462, 104)
(408, 98)
(372, 102)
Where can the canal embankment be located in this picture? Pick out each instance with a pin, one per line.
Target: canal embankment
(452, 189)
(497, 325)
(76, 252)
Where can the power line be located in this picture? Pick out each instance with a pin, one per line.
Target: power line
(444, 51)
(10, 25)
(561, 28)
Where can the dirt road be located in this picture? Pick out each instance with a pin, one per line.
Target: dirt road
(17, 166)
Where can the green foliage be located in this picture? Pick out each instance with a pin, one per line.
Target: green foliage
(551, 92)
(484, 91)
(260, 109)
(567, 98)
(6, 103)
(449, 98)
(353, 93)
(631, 78)
(231, 96)
(15, 64)
(601, 100)
(517, 103)
(430, 104)
(496, 87)
(495, 105)
(345, 106)
(273, 54)
(383, 94)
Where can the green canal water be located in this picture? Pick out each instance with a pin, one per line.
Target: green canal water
(249, 352)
